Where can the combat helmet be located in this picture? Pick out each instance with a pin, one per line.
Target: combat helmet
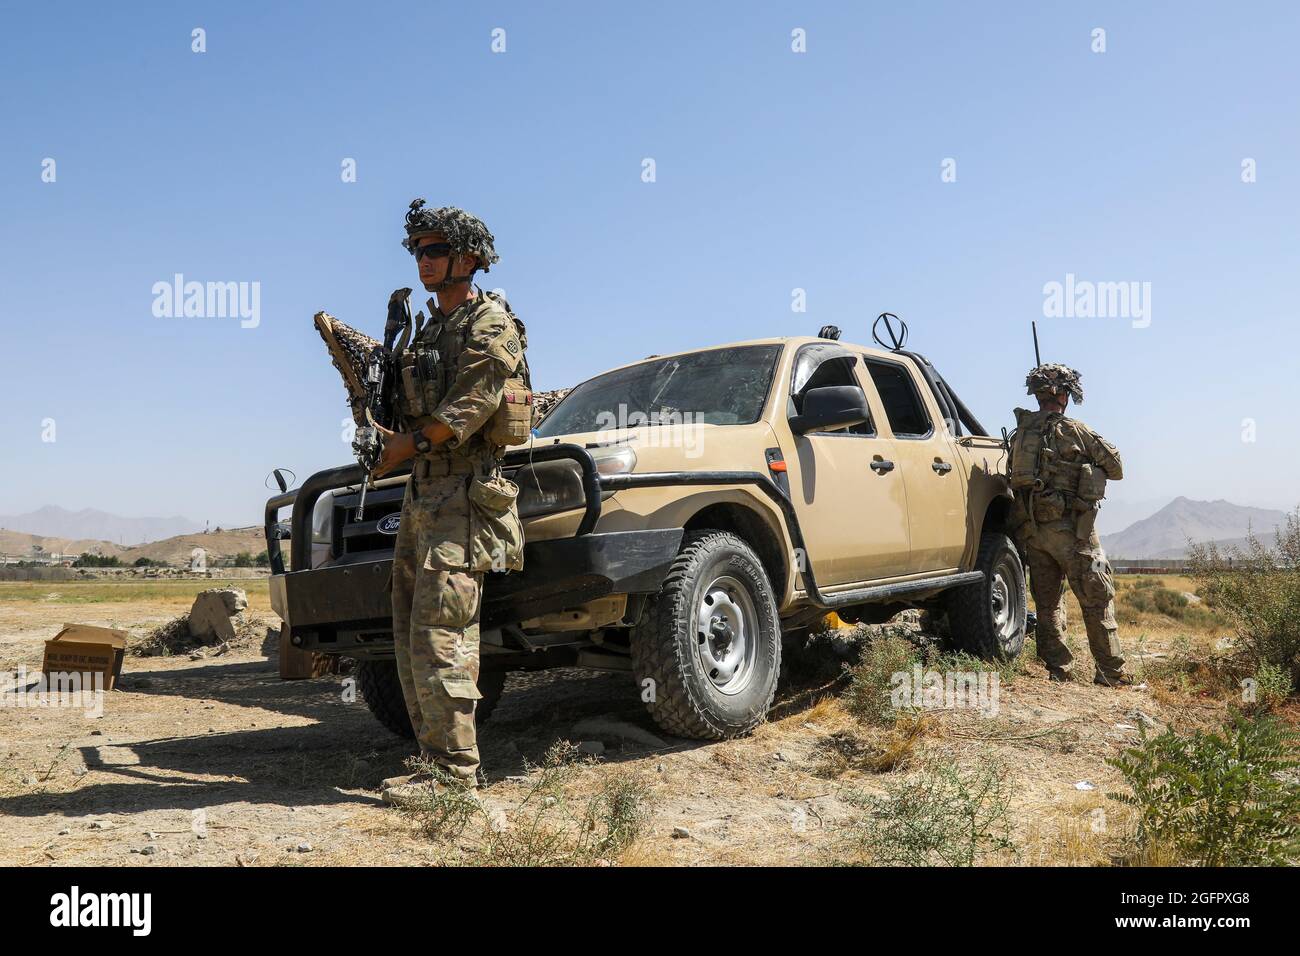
(465, 233)
(1053, 377)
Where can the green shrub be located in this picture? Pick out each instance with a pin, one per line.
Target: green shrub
(944, 815)
(872, 678)
(1217, 799)
(1272, 686)
(1258, 590)
(1144, 583)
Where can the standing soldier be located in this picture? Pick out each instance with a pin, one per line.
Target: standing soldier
(1059, 469)
(461, 397)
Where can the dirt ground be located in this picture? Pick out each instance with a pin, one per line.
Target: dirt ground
(218, 761)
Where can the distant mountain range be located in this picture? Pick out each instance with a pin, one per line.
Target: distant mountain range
(52, 521)
(1165, 534)
(1162, 535)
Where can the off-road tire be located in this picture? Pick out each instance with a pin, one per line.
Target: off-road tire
(686, 701)
(382, 691)
(973, 610)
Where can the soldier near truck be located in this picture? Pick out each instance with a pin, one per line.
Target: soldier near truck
(461, 399)
(1059, 470)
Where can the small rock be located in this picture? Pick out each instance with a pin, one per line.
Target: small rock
(147, 850)
(64, 832)
(681, 833)
(101, 825)
(1139, 716)
(96, 733)
(779, 757)
(1084, 785)
(303, 847)
(591, 748)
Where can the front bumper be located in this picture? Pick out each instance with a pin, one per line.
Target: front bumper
(347, 608)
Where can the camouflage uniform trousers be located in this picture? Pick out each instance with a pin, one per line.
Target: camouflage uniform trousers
(1055, 556)
(435, 622)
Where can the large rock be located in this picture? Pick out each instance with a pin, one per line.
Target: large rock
(216, 614)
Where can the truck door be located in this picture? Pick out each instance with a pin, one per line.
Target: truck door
(930, 467)
(845, 484)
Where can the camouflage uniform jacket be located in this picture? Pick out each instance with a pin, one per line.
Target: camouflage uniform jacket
(454, 371)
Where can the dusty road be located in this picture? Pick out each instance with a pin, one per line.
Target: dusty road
(218, 761)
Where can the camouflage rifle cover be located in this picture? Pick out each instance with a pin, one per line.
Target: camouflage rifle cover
(350, 352)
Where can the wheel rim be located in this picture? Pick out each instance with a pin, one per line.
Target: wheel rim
(726, 634)
(1004, 602)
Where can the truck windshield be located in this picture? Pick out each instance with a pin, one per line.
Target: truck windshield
(717, 387)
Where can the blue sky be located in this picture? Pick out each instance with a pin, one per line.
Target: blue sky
(775, 170)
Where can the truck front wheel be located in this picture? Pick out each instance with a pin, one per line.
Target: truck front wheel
(382, 691)
(707, 653)
(988, 619)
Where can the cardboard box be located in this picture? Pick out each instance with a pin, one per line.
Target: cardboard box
(84, 648)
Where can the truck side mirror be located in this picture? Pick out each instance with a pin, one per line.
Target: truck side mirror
(831, 407)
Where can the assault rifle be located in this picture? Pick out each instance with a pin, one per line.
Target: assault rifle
(381, 374)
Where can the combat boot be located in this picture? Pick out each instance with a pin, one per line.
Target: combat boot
(1119, 680)
(423, 786)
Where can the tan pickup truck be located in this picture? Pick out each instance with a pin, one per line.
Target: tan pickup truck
(684, 512)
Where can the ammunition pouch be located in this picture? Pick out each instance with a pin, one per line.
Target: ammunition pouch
(512, 422)
(1092, 484)
(1087, 522)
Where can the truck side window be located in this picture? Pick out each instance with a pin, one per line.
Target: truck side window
(903, 408)
(837, 372)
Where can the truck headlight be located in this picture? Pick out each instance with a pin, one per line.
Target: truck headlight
(614, 459)
(549, 487)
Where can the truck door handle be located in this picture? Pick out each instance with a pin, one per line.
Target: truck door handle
(880, 466)
(941, 467)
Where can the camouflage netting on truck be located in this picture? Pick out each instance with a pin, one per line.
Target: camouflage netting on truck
(543, 402)
(350, 352)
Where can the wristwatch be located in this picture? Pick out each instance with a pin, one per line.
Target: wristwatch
(422, 444)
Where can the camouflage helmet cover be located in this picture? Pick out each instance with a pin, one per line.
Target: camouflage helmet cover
(1052, 378)
(465, 233)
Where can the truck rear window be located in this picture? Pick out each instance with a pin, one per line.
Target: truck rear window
(717, 387)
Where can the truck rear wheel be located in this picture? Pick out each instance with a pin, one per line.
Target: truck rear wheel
(988, 619)
(382, 691)
(710, 641)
